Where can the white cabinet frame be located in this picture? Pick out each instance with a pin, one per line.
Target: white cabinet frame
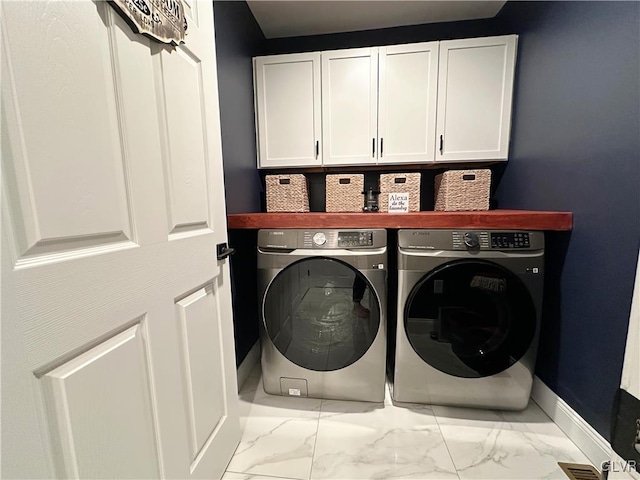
(475, 92)
(350, 106)
(407, 95)
(288, 110)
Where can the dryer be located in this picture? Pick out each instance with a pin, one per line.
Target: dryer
(323, 309)
(469, 306)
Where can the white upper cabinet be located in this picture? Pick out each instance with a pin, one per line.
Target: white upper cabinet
(475, 89)
(287, 96)
(350, 106)
(407, 93)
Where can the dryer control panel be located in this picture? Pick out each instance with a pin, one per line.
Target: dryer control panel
(510, 240)
(473, 240)
(483, 240)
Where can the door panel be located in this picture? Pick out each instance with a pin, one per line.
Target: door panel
(111, 378)
(407, 102)
(350, 106)
(203, 375)
(66, 204)
(185, 155)
(288, 109)
(96, 383)
(475, 90)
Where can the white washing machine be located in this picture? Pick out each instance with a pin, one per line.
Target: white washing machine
(469, 305)
(323, 307)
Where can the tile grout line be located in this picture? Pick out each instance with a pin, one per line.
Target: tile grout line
(446, 445)
(262, 475)
(313, 454)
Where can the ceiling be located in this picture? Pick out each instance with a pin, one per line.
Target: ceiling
(291, 18)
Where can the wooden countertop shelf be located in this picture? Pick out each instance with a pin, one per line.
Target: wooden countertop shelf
(493, 219)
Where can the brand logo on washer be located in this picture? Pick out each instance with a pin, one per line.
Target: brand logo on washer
(276, 233)
(421, 233)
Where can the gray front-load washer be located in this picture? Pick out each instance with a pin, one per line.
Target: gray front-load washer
(469, 305)
(323, 308)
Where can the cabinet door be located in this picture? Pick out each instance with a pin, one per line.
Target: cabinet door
(475, 89)
(349, 106)
(288, 114)
(407, 102)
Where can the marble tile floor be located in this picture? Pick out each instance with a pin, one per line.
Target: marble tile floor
(287, 438)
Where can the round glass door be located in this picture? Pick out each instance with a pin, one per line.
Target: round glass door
(470, 318)
(321, 314)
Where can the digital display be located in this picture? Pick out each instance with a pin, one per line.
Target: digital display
(510, 240)
(355, 239)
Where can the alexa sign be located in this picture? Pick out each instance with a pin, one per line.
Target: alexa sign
(162, 20)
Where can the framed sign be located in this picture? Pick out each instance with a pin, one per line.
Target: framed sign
(162, 20)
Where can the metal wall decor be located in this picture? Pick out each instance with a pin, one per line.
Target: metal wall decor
(161, 20)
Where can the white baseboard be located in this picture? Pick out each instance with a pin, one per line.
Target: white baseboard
(246, 366)
(586, 438)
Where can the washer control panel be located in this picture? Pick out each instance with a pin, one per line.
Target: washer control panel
(355, 239)
(324, 239)
(330, 239)
(510, 240)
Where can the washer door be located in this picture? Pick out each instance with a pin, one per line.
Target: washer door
(321, 314)
(470, 318)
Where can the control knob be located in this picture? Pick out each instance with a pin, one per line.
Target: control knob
(319, 239)
(471, 240)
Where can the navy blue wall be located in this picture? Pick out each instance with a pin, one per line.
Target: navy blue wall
(238, 39)
(575, 147)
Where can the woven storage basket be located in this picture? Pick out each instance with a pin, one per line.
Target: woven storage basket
(287, 193)
(344, 193)
(460, 190)
(400, 183)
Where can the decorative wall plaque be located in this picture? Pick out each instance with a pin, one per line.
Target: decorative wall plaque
(162, 20)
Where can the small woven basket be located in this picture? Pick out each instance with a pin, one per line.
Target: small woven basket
(287, 193)
(462, 190)
(344, 193)
(400, 183)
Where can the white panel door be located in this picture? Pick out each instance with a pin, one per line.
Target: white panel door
(630, 382)
(631, 371)
(117, 336)
(287, 99)
(408, 76)
(350, 106)
(475, 90)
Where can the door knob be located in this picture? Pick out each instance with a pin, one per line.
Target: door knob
(223, 251)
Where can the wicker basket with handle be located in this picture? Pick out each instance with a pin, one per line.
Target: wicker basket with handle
(400, 183)
(287, 193)
(344, 193)
(462, 190)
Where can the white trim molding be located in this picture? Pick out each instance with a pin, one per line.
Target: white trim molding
(246, 366)
(586, 438)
